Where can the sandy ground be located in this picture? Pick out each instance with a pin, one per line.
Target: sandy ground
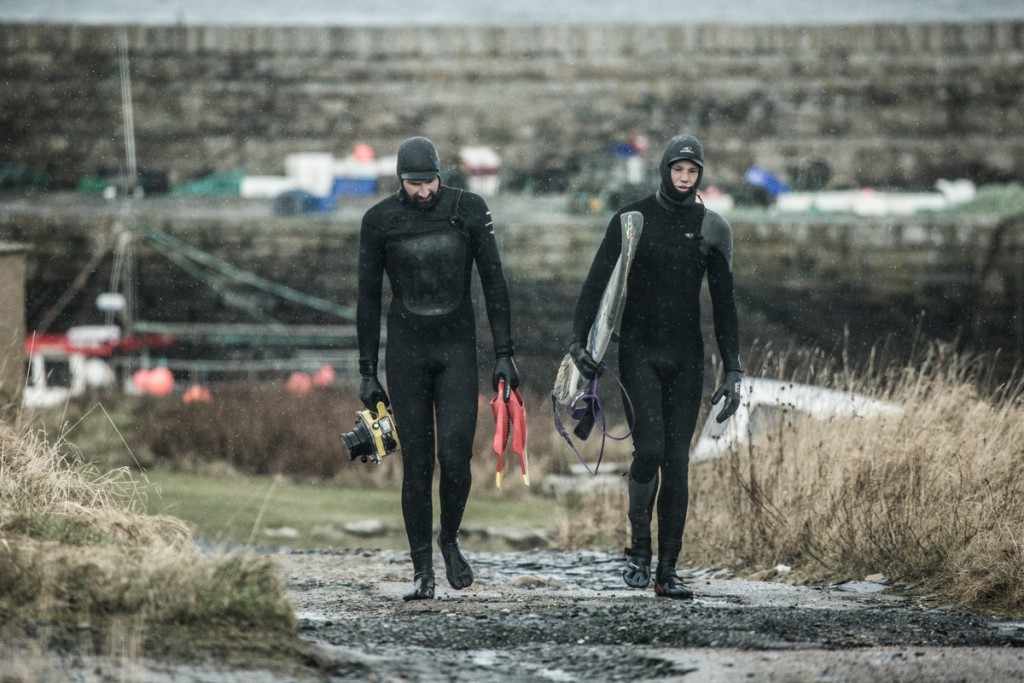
(566, 616)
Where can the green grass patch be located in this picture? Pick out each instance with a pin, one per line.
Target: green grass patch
(262, 510)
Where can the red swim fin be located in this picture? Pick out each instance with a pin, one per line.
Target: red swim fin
(517, 415)
(502, 425)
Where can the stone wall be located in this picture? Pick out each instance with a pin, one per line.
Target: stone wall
(893, 105)
(817, 280)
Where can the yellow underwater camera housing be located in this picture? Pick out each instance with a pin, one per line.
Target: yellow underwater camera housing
(374, 435)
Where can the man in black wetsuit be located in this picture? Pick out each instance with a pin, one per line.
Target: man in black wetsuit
(661, 349)
(427, 237)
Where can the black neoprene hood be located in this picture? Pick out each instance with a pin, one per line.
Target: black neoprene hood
(680, 147)
(418, 160)
(683, 147)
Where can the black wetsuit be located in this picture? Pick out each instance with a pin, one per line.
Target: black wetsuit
(661, 347)
(428, 254)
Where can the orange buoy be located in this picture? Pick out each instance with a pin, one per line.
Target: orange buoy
(362, 153)
(160, 382)
(324, 376)
(197, 393)
(299, 384)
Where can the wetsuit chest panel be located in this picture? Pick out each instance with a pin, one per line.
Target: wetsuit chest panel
(663, 294)
(426, 263)
(672, 259)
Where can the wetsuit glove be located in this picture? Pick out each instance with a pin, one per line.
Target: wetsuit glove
(584, 362)
(505, 367)
(371, 392)
(730, 391)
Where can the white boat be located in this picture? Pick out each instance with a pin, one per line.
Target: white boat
(766, 401)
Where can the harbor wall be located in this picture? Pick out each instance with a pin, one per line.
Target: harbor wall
(818, 281)
(879, 105)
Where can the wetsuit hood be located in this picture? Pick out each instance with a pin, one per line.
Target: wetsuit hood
(686, 147)
(418, 160)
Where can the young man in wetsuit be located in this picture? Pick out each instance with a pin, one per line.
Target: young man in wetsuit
(661, 350)
(427, 237)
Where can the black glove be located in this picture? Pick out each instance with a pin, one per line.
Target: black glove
(505, 367)
(371, 392)
(584, 362)
(730, 390)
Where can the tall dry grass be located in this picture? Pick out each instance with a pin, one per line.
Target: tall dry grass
(932, 498)
(76, 546)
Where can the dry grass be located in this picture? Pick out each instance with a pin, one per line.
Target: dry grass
(77, 547)
(595, 520)
(933, 498)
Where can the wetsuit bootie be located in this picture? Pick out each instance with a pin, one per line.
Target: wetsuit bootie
(669, 585)
(423, 587)
(423, 575)
(456, 566)
(637, 572)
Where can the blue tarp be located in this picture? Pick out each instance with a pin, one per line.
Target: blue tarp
(766, 180)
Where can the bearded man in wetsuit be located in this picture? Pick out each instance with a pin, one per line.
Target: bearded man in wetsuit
(661, 350)
(427, 237)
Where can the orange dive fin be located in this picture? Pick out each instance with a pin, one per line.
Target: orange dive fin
(517, 416)
(502, 425)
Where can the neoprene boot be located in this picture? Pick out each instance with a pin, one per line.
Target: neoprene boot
(456, 566)
(423, 575)
(667, 583)
(637, 572)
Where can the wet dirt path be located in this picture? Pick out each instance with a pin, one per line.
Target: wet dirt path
(566, 616)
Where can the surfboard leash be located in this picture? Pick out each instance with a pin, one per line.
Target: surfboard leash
(587, 404)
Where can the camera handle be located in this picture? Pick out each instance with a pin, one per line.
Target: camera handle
(380, 416)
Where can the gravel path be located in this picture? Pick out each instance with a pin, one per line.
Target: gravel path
(566, 616)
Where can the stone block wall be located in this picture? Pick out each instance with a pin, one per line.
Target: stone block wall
(882, 105)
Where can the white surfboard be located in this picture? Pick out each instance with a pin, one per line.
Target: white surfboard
(568, 380)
